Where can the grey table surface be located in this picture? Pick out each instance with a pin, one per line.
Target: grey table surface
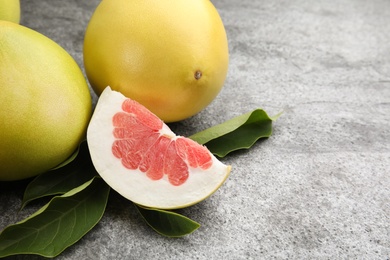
(319, 187)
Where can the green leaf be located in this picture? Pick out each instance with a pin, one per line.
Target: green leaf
(167, 223)
(238, 133)
(59, 224)
(63, 179)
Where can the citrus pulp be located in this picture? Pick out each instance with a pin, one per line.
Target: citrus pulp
(143, 160)
(169, 55)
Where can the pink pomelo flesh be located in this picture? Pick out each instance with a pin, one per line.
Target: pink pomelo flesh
(142, 159)
(144, 148)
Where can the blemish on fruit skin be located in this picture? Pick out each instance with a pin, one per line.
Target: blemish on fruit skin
(197, 74)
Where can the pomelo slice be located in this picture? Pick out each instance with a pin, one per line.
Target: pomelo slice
(144, 161)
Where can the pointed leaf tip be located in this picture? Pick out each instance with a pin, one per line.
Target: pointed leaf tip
(59, 224)
(167, 223)
(238, 133)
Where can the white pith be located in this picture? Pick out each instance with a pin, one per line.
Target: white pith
(134, 184)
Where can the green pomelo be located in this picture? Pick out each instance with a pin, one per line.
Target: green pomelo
(10, 10)
(45, 103)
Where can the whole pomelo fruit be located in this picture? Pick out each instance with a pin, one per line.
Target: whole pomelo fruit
(169, 55)
(45, 103)
(143, 160)
(10, 10)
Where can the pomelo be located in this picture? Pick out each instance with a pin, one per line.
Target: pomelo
(169, 55)
(143, 160)
(45, 103)
(10, 10)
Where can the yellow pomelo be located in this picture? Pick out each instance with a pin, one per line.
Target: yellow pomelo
(45, 103)
(169, 55)
(10, 10)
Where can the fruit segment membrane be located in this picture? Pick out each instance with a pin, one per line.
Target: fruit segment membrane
(137, 154)
(142, 143)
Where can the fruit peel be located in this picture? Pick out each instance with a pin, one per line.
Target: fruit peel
(134, 184)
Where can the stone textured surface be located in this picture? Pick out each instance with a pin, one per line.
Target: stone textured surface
(319, 188)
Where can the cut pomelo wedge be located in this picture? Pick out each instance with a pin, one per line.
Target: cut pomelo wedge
(144, 161)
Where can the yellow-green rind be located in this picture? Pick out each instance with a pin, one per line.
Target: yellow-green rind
(45, 103)
(10, 10)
